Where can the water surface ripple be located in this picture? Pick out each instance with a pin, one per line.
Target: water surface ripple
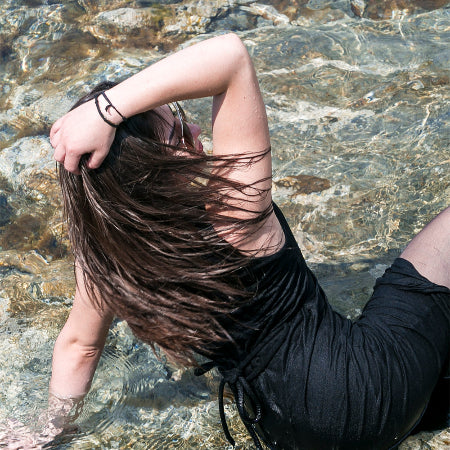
(358, 111)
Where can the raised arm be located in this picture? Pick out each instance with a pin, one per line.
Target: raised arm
(218, 67)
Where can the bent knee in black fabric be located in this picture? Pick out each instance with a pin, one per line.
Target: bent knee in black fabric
(363, 385)
(405, 328)
(416, 313)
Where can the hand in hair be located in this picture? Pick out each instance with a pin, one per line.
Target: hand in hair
(81, 131)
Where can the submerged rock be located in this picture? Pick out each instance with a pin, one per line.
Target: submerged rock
(290, 8)
(5, 210)
(235, 19)
(427, 441)
(36, 290)
(358, 7)
(34, 219)
(345, 98)
(268, 12)
(389, 9)
(303, 184)
(29, 164)
(125, 18)
(133, 27)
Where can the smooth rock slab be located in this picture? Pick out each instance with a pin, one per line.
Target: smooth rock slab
(22, 161)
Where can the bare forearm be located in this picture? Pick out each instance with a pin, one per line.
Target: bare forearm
(207, 69)
(73, 368)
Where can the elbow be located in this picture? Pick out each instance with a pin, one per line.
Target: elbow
(240, 65)
(232, 50)
(235, 45)
(77, 351)
(233, 40)
(73, 368)
(88, 353)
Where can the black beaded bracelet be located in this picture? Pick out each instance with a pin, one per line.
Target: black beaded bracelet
(110, 105)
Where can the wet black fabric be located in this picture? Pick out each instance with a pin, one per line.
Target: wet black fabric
(323, 381)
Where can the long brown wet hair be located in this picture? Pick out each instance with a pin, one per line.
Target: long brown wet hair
(143, 238)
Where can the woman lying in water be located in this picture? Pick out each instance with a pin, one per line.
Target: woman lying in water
(191, 251)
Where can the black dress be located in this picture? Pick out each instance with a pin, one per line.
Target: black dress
(304, 377)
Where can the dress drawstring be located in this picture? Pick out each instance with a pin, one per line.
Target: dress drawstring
(241, 389)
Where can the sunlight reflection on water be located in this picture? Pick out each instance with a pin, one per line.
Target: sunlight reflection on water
(360, 105)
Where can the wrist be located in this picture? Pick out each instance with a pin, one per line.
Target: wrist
(108, 110)
(64, 408)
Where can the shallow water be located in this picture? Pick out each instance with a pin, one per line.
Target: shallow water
(358, 110)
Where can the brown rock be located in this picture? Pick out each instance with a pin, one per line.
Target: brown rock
(38, 291)
(358, 7)
(428, 441)
(134, 27)
(290, 8)
(386, 9)
(303, 184)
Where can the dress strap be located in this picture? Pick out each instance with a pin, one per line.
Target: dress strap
(289, 237)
